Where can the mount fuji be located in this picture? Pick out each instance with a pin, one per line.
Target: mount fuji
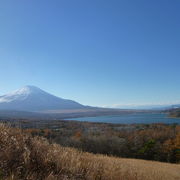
(31, 98)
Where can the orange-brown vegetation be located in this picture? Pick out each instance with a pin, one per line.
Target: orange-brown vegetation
(34, 158)
(158, 142)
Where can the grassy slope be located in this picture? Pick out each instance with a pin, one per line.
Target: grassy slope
(24, 157)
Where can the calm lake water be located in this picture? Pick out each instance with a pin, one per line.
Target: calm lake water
(138, 118)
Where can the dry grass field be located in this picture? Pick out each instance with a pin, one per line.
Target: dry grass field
(23, 157)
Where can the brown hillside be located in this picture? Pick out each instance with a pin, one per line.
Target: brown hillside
(24, 157)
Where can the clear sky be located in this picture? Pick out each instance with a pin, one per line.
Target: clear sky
(97, 52)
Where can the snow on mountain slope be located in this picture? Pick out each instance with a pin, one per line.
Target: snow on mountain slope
(20, 94)
(31, 98)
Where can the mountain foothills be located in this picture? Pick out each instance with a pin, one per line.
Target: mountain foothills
(31, 98)
(175, 113)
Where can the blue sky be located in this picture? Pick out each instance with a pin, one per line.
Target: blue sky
(98, 52)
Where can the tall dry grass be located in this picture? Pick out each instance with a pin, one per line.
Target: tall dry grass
(23, 157)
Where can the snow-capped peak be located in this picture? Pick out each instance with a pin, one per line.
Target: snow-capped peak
(31, 98)
(19, 94)
(28, 89)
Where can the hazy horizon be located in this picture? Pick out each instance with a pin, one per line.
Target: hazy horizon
(98, 53)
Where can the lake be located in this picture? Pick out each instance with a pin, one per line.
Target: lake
(136, 118)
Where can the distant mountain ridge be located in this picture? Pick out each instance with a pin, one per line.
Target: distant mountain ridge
(153, 107)
(31, 98)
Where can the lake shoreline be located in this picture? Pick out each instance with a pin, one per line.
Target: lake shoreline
(135, 118)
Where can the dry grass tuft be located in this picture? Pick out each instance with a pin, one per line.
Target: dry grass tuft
(24, 157)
